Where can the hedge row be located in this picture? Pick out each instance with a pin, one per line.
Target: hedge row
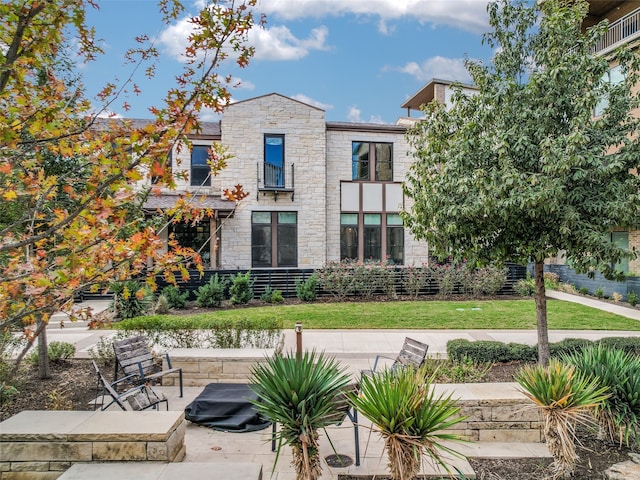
(498, 352)
(169, 331)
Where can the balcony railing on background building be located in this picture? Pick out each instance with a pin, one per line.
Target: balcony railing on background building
(621, 31)
(274, 179)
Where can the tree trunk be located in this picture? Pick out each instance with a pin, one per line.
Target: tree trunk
(541, 314)
(43, 354)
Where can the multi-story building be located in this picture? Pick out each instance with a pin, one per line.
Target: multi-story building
(624, 29)
(319, 191)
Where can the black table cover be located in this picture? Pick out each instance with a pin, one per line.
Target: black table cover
(227, 407)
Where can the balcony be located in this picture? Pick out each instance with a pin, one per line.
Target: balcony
(274, 180)
(620, 32)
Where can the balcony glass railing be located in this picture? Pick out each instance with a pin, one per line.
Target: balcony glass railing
(621, 31)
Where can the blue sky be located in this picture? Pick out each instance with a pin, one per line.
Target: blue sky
(359, 60)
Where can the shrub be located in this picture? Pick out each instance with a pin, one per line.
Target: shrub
(57, 351)
(551, 280)
(272, 296)
(102, 352)
(204, 331)
(568, 346)
(565, 397)
(489, 280)
(489, 351)
(414, 279)
(599, 292)
(454, 371)
(446, 278)
(307, 290)
(632, 298)
(628, 344)
(619, 372)
(337, 278)
(525, 287)
(241, 289)
(616, 297)
(211, 294)
(583, 291)
(175, 298)
(130, 299)
(162, 305)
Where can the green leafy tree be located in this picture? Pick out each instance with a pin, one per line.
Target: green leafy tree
(523, 169)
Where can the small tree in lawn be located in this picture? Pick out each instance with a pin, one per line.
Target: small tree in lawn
(523, 169)
(71, 213)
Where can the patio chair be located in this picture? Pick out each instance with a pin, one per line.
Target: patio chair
(136, 361)
(342, 409)
(140, 397)
(412, 353)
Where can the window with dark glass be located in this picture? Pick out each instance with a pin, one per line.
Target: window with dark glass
(196, 237)
(372, 161)
(200, 169)
(372, 236)
(274, 160)
(366, 236)
(621, 240)
(348, 236)
(395, 239)
(274, 239)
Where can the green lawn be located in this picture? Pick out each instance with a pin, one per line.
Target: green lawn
(473, 314)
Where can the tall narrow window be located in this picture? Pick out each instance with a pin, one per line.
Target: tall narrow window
(372, 161)
(200, 170)
(274, 160)
(613, 77)
(348, 236)
(274, 239)
(372, 234)
(395, 239)
(621, 240)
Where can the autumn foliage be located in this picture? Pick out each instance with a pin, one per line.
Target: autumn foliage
(71, 178)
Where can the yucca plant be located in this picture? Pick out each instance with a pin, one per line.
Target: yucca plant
(619, 415)
(409, 417)
(565, 397)
(298, 394)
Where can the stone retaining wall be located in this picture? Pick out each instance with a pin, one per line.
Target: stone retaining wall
(41, 445)
(202, 366)
(500, 421)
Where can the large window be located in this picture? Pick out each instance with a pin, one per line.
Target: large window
(372, 161)
(196, 237)
(365, 236)
(274, 239)
(274, 160)
(200, 169)
(613, 77)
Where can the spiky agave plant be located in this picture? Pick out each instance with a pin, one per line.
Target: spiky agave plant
(298, 394)
(619, 415)
(410, 418)
(565, 398)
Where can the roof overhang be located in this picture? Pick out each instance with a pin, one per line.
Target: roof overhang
(158, 203)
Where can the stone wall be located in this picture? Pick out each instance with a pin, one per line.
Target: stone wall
(41, 445)
(202, 366)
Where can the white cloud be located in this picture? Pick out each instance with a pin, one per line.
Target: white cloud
(354, 115)
(310, 101)
(173, 40)
(467, 15)
(240, 84)
(436, 67)
(278, 43)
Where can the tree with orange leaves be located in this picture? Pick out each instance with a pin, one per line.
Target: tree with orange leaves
(71, 213)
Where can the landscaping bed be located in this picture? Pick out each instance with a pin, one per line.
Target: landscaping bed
(73, 386)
